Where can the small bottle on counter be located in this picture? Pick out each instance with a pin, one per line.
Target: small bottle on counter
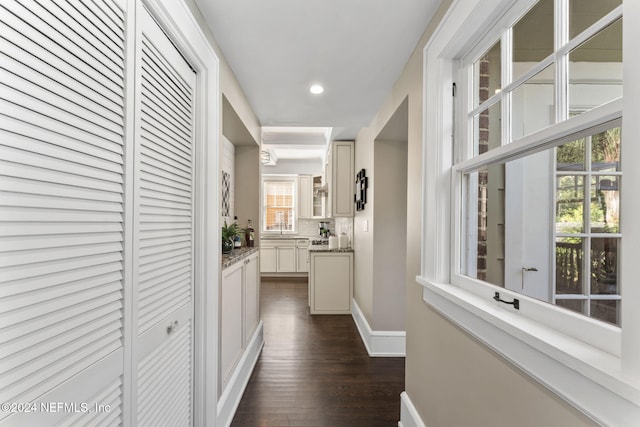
(237, 241)
(249, 235)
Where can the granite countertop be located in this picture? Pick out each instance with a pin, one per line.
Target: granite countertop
(237, 255)
(325, 248)
(285, 237)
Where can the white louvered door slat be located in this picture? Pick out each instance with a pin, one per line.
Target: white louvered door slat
(61, 207)
(163, 246)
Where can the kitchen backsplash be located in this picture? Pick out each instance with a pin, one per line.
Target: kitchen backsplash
(309, 227)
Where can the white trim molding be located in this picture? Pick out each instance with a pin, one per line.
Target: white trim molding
(378, 343)
(409, 416)
(230, 398)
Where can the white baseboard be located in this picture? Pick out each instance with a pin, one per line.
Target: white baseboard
(230, 398)
(378, 343)
(409, 416)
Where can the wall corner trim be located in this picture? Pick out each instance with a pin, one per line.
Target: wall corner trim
(378, 343)
(409, 416)
(230, 398)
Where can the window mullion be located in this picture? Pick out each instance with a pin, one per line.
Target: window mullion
(506, 78)
(587, 224)
(561, 37)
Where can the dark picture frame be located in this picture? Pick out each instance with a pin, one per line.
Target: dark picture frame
(362, 183)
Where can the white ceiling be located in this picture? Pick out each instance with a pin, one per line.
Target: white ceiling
(355, 48)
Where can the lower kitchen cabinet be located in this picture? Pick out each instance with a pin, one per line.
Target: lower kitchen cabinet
(287, 259)
(330, 282)
(251, 296)
(278, 256)
(302, 256)
(239, 312)
(268, 259)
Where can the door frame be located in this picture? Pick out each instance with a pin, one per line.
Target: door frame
(177, 21)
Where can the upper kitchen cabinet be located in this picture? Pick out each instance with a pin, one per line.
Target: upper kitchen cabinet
(311, 196)
(340, 174)
(305, 196)
(319, 197)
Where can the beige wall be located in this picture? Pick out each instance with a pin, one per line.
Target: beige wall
(390, 234)
(452, 379)
(363, 241)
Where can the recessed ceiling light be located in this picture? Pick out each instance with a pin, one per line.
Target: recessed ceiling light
(316, 89)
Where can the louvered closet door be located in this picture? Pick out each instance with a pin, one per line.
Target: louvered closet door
(164, 243)
(61, 208)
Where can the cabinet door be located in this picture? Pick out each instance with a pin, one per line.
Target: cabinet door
(286, 259)
(252, 296)
(230, 320)
(268, 260)
(302, 260)
(304, 196)
(328, 208)
(342, 179)
(318, 197)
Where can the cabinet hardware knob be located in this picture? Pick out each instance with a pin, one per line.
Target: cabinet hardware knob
(172, 327)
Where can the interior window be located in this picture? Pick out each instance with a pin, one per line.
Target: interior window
(547, 224)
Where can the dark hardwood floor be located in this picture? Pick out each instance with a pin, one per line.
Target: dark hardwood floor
(314, 370)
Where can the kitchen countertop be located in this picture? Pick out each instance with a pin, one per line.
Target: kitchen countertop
(237, 255)
(287, 237)
(325, 248)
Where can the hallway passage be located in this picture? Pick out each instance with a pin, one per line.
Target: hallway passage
(314, 370)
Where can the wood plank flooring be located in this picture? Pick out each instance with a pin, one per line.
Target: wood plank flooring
(314, 371)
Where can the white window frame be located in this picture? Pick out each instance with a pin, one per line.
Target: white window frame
(285, 178)
(592, 365)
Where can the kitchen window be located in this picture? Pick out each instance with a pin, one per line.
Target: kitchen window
(279, 204)
(524, 196)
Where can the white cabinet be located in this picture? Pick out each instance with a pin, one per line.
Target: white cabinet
(239, 312)
(319, 197)
(312, 198)
(268, 258)
(331, 282)
(280, 256)
(305, 196)
(342, 178)
(328, 208)
(231, 342)
(302, 256)
(251, 296)
(287, 258)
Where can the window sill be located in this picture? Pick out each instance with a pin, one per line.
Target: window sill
(586, 377)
